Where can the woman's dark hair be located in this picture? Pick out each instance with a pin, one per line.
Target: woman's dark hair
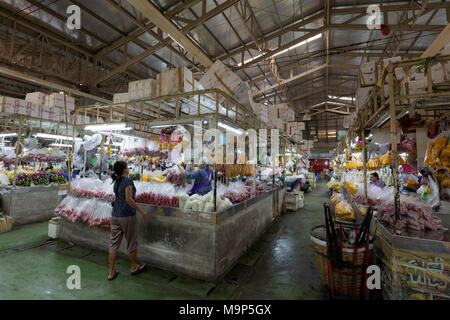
(116, 176)
(375, 174)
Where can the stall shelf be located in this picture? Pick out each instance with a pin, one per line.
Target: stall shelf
(36, 203)
(204, 245)
(388, 110)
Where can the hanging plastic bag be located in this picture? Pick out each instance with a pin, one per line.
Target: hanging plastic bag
(374, 162)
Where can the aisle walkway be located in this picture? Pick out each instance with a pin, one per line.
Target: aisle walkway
(280, 266)
(288, 270)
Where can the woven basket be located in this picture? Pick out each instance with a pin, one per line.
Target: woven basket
(346, 281)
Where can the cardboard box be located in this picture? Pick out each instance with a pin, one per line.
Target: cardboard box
(36, 97)
(173, 81)
(438, 73)
(6, 224)
(362, 94)
(34, 110)
(8, 105)
(367, 67)
(368, 79)
(56, 100)
(399, 73)
(418, 86)
(221, 77)
(121, 97)
(80, 119)
(140, 89)
(21, 107)
(243, 94)
(446, 51)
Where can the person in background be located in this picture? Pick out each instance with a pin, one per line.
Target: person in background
(292, 182)
(375, 180)
(49, 168)
(110, 170)
(202, 179)
(123, 220)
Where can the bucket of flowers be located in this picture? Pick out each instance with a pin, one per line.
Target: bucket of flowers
(23, 180)
(57, 177)
(40, 178)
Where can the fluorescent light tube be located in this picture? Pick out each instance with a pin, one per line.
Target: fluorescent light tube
(108, 126)
(61, 145)
(163, 126)
(285, 50)
(229, 128)
(55, 136)
(8, 135)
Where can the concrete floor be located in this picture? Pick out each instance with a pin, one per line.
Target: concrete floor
(281, 265)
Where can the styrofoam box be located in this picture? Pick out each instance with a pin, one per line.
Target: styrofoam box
(173, 81)
(368, 67)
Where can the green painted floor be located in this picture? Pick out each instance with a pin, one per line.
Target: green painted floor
(280, 266)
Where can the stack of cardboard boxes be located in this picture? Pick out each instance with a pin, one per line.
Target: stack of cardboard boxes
(39, 105)
(141, 89)
(177, 80)
(221, 77)
(294, 130)
(279, 115)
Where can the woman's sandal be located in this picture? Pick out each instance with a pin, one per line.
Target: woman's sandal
(140, 269)
(116, 272)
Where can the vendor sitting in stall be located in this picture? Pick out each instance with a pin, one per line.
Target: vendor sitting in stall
(375, 180)
(202, 179)
(293, 181)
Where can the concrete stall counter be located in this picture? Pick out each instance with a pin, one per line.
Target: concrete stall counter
(29, 205)
(198, 244)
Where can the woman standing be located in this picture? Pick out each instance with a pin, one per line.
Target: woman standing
(123, 220)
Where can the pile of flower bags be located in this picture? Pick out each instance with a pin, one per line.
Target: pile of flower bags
(159, 194)
(93, 188)
(415, 213)
(94, 212)
(175, 176)
(144, 152)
